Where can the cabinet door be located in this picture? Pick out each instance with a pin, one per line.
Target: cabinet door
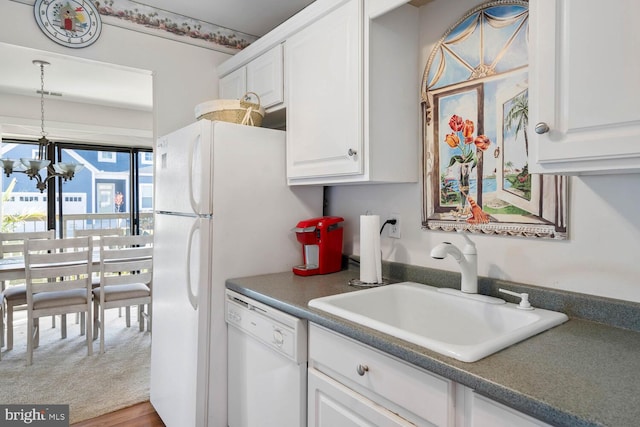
(265, 77)
(323, 65)
(585, 86)
(481, 411)
(234, 85)
(331, 404)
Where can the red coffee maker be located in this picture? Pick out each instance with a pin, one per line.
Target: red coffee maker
(321, 240)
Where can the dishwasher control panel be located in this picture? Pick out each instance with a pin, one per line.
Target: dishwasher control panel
(281, 332)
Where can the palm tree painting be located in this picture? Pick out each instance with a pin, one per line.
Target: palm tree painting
(515, 158)
(518, 115)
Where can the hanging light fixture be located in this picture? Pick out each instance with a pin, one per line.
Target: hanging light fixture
(32, 167)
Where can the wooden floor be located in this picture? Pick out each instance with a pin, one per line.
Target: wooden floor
(140, 415)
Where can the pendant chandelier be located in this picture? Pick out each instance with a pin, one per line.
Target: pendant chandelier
(32, 167)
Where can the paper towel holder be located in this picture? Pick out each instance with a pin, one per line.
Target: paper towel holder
(361, 284)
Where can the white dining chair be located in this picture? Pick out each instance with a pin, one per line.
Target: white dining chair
(15, 295)
(96, 234)
(126, 264)
(12, 244)
(58, 281)
(1, 322)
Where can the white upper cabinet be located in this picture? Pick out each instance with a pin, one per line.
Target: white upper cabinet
(352, 95)
(234, 85)
(265, 77)
(584, 92)
(324, 109)
(262, 75)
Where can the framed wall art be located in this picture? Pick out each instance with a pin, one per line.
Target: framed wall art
(475, 131)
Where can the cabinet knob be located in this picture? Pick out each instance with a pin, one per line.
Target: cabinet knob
(541, 128)
(362, 369)
(352, 152)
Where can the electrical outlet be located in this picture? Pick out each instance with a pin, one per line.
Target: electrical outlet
(394, 229)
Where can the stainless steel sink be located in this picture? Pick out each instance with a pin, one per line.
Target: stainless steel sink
(454, 325)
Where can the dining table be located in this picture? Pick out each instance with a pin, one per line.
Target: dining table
(12, 268)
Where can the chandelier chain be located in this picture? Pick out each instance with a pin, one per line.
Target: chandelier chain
(42, 132)
(32, 167)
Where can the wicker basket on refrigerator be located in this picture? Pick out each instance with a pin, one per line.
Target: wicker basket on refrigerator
(240, 111)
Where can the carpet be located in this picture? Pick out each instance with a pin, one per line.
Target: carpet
(63, 373)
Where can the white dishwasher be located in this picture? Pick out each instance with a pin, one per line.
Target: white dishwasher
(267, 365)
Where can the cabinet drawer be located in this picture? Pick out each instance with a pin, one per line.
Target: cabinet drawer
(426, 395)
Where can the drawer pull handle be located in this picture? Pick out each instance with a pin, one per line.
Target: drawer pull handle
(362, 369)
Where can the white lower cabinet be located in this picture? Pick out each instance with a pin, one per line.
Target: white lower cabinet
(475, 410)
(353, 385)
(332, 404)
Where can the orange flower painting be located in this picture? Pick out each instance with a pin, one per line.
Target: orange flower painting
(476, 148)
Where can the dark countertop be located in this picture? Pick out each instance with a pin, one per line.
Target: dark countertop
(581, 373)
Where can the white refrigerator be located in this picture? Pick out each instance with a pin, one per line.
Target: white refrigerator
(222, 209)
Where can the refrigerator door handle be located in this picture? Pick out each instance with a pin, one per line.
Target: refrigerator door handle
(193, 298)
(194, 205)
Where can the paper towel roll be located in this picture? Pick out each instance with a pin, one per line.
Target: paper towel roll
(370, 256)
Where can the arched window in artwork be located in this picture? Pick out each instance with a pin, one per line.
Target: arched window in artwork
(475, 109)
(490, 40)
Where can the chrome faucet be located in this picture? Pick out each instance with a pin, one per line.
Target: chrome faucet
(468, 260)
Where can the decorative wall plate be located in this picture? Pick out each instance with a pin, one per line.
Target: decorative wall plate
(71, 23)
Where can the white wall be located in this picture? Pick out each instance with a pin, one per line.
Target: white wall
(184, 75)
(75, 121)
(601, 257)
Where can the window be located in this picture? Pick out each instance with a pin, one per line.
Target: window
(146, 197)
(113, 190)
(146, 158)
(106, 156)
(106, 198)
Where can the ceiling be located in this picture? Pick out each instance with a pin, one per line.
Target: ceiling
(74, 79)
